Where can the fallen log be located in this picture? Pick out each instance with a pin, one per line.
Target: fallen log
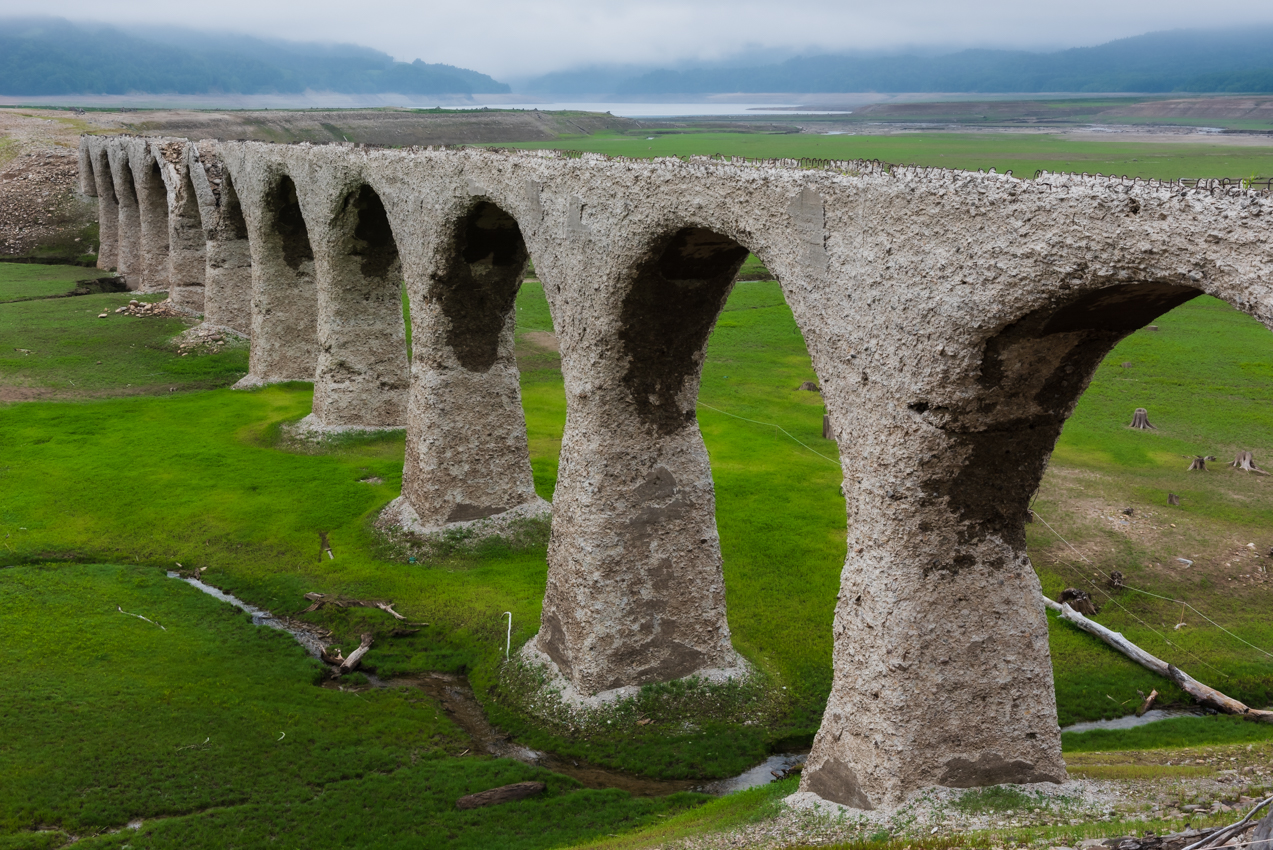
(355, 657)
(1221, 838)
(318, 600)
(503, 794)
(1201, 693)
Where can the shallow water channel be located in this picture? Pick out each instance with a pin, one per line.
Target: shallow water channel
(456, 698)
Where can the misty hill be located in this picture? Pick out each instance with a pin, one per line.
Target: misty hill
(51, 56)
(1176, 61)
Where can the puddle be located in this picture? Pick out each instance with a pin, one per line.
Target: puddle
(456, 698)
(1131, 721)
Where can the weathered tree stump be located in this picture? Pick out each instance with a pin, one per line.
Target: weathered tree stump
(503, 794)
(1116, 580)
(1245, 461)
(1140, 420)
(1127, 364)
(827, 433)
(1079, 600)
(809, 386)
(1199, 462)
(1173, 499)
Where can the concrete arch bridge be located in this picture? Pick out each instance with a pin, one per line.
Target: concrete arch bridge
(953, 319)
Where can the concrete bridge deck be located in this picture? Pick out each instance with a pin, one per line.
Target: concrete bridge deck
(953, 318)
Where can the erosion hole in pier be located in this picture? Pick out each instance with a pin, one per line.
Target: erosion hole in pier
(478, 284)
(675, 295)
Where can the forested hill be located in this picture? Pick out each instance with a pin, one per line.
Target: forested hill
(52, 56)
(1239, 60)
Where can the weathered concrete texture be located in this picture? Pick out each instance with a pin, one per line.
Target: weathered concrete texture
(107, 207)
(128, 231)
(227, 299)
(953, 320)
(284, 291)
(362, 374)
(152, 197)
(467, 453)
(187, 253)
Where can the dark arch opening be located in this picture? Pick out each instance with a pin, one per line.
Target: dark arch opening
(667, 316)
(371, 237)
(232, 224)
(1032, 374)
(479, 287)
(289, 224)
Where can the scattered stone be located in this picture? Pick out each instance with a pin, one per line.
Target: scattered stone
(809, 386)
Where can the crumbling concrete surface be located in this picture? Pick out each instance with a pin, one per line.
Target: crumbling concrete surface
(953, 319)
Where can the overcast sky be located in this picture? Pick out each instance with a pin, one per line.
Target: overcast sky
(510, 39)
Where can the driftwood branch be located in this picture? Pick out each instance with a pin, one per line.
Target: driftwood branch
(342, 665)
(1220, 838)
(1205, 695)
(503, 794)
(318, 600)
(1147, 704)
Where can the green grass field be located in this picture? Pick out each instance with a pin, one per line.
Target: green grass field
(1022, 154)
(122, 469)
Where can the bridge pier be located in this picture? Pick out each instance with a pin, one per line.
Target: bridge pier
(635, 589)
(128, 254)
(187, 251)
(228, 275)
(362, 372)
(284, 291)
(467, 457)
(152, 197)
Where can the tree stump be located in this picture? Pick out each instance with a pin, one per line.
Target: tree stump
(809, 386)
(1116, 580)
(1199, 462)
(503, 794)
(827, 433)
(1079, 600)
(1245, 461)
(1127, 365)
(1173, 499)
(1140, 420)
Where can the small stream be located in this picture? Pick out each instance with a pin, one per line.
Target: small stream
(457, 700)
(1131, 721)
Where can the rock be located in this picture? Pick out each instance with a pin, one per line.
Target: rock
(102, 315)
(810, 386)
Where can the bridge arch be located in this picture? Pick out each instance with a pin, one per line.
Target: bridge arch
(467, 457)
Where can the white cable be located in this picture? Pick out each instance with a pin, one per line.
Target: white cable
(769, 425)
